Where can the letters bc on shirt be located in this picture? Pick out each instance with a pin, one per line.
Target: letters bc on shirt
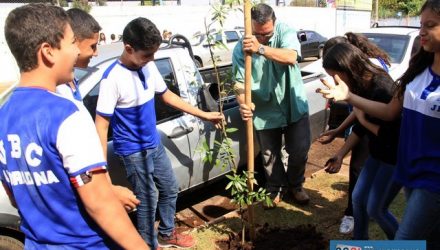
(46, 141)
(127, 97)
(419, 146)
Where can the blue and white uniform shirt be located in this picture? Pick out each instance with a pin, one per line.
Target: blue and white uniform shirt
(67, 91)
(46, 143)
(127, 97)
(419, 147)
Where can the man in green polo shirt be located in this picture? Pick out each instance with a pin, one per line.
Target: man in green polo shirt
(279, 98)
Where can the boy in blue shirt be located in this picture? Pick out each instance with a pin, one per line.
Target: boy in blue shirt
(126, 98)
(86, 30)
(51, 163)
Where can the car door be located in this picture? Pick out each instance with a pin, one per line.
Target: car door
(302, 38)
(196, 171)
(313, 43)
(179, 131)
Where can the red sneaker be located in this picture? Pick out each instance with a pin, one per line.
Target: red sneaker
(176, 239)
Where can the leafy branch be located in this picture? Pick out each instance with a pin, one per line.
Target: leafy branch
(238, 182)
(242, 196)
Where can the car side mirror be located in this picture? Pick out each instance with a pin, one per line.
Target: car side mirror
(302, 37)
(209, 97)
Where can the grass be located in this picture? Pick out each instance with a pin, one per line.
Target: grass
(328, 201)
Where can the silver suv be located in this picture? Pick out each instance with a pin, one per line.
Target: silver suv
(200, 46)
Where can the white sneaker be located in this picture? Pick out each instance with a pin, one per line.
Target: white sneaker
(347, 225)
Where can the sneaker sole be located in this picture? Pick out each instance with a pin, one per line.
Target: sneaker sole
(174, 246)
(346, 232)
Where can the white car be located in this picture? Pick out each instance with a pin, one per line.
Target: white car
(223, 55)
(399, 42)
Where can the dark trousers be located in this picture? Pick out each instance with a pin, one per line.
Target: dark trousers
(297, 145)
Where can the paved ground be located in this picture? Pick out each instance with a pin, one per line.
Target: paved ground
(207, 204)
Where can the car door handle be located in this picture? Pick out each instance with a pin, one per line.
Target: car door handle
(179, 131)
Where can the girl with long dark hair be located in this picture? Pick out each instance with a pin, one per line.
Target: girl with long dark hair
(418, 101)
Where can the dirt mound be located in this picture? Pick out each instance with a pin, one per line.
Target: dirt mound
(303, 237)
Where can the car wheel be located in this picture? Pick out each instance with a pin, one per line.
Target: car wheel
(198, 63)
(10, 243)
(320, 52)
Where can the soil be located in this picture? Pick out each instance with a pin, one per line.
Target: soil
(297, 238)
(207, 204)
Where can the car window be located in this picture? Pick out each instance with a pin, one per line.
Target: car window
(394, 45)
(218, 37)
(163, 111)
(231, 36)
(81, 73)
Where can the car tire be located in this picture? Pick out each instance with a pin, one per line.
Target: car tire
(198, 63)
(10, 243)
(320, 53)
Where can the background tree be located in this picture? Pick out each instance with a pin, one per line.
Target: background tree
(100, 2)
(82, 4)
(410, 8)
(390, 8)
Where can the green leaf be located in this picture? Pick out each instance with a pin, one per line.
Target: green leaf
(230, 177)
(238, 186)
(231, 130)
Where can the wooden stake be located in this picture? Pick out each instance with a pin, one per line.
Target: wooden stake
(249, 124)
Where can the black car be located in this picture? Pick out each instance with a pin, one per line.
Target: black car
(312, 43)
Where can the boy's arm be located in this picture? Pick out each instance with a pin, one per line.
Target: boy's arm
(10, 196)
(124, 195)
(102, 124)
(103, 206)
(176, 102)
